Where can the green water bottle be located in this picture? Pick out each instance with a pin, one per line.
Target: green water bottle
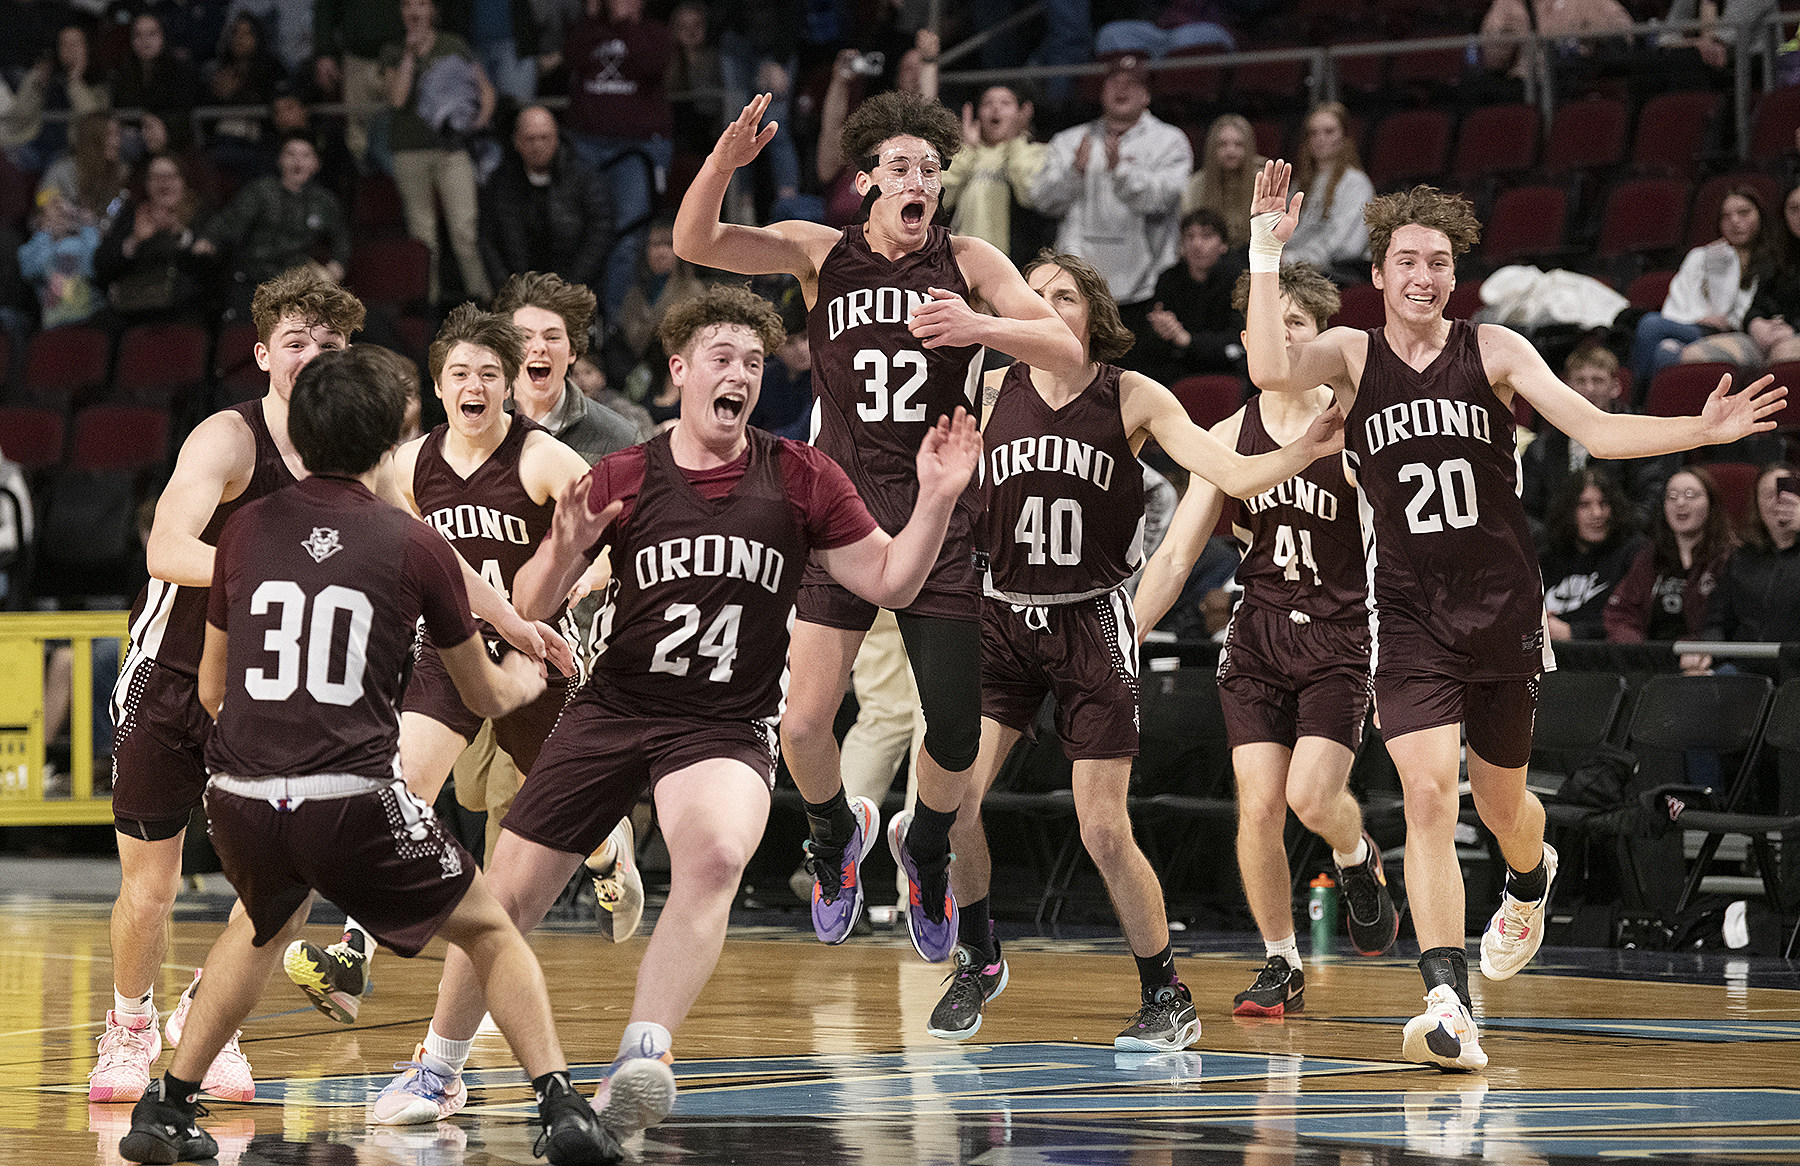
(1322, 909)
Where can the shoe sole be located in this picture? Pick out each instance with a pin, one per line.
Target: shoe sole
(897, 847)
(639, 1095)
(965, 1034)
(307, 977)
(116, 1095)
(630, 911)
(576, 1147)
(423, 1114)
(1287, 1007)
(137, 1147)
(871, 831)
(1433, 1044)
(1188, 1034)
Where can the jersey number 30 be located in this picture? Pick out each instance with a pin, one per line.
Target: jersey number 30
(879, 365)
(720, 641)
(1455, 480)
(284, 642)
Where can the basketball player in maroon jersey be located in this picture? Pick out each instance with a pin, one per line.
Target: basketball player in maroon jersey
(1456, 599)
(1294, 673)
(1062, 528)
(709, 526)
(305, 792)
(895, 346)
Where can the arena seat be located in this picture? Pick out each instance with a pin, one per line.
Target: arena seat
(1641, 215)
(1411, 145)
(1672, 132)
(1525, 221)
(119, 437)
(1585, 135)
(1681, 389)
(31, 436)
(1209, 398)
(1495, 140)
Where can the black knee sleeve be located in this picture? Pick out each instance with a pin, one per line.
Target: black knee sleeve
(945, 655)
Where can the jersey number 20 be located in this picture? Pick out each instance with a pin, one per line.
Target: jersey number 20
(879, 365)
(284, 642)
(1455, 480)
(720, 641)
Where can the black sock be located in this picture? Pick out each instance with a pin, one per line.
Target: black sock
(1446, 965)
(975, 931)
(551, 1085)
(830, 822)
(928, 838)
(353, 939)
(1157, 971)
(185, 1094)
(1528, 886)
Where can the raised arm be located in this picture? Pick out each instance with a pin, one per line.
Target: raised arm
(562, 558)
(1512, 363)
(888, 572)
(702, 237)
(215, 462)
(1273, 365)
(1149, 406)
(1026, 327)
(1167, 571)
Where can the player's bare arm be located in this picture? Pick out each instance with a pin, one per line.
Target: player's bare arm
(212, 670)
(487, 688)
(1191, 525)
(562, 558)
(214, 466)
(1025, 327)
(1274, 365)
(547, 466)
(1150, 409)
(1515, 366)
(888, 572)
(796, 248)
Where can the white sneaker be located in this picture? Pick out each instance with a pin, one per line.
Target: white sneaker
(619, 890)
(1444, 1034)
(1516, 931)
(638, 1093)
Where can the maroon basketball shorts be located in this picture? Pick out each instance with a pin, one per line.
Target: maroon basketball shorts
(381, 856)
(951, 591)
(1084, 654)
(1281, 679)
(1420, 685)
(159, 745)
(599, 761)
(521, 732)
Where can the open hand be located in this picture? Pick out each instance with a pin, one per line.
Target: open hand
(1271, 194)
(1728, 416)
(949, 454)
(1326, 433)
(742, 141)
(945, 321)
(576, 525)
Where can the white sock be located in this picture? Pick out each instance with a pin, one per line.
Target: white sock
(602, 859)
(453, 1053)
(645, 1038)
(1287, 949)
(1355, 857)
(124, 1006)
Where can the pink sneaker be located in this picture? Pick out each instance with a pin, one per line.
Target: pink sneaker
(228, 1077)
(128, 1048)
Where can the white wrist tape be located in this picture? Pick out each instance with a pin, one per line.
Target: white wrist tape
(1265, 248)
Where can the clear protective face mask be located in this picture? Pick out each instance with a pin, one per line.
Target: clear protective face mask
(923, 175)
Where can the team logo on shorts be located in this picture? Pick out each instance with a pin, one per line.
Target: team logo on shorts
(322, 544)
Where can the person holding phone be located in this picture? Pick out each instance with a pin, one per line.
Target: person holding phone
(1758, 593)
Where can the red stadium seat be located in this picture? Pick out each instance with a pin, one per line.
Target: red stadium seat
(1427, 68)
(1737, 489)
(1787, 373)
(1525, 221)
(1209, 399)
(236, 348)
(1188, 75)
(1585, 135)
(1703, 220)
(1275, 80)
(31, 437)
(1681, 389)
(1361, 75)
(393, 272)
(63, 362)
(156, 360)
(1671, 132)
(1409, 145)
(1773, 124)
(1361, 308)
(1465, 300)
(1649, 290)
(1271, 139)
(1496, 139)
(1644, 214)
(377, 209)
(119, 437)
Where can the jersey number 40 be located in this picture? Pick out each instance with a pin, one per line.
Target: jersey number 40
(1058, 531)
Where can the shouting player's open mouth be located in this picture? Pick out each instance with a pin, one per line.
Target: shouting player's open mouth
(474, 408)
(539, 372)
(729, 406)
(912, 212)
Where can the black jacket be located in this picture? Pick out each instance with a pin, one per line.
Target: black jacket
(566, 227)
(1758, 597)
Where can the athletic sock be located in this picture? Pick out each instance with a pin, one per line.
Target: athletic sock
(975, 931)
(1446, 965)
(1528, 886)
(124, 1006)
(1157, 971)
(453, 1053)
(645, 1038)
(602, 859)
(830, 822)
(551, 1085)
(1355, 858)
(1288, 949)
(182, 1094)
(928, 838)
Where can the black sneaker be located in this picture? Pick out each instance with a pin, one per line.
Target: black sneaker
(573, 1135)
(958, 1015)
(1166, 1023)
(164, 1132)
(333, 978)
(1279, 990)
(1368, 908)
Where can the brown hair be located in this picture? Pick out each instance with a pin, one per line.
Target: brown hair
(1108, 337)
(1765, 246)
(1303, 283)
(1424, 206)
(307, 293)
(891, 114)
(1308, 167)
(403, 370)
(1756, 531)
(468, 324)
(551, 292)
(1227, 194)
(98, 179)
(1559, 515)
(1715, 537)
(721, 304)
(1592, 355)
(345, 412)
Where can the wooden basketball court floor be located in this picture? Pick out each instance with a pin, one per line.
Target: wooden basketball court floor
(799, 1053)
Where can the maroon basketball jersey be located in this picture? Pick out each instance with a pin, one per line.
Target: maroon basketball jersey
(1063, 497)
(876, 387)
(1448, 547)
(489, 516)
(696, 619)
(168, 622)
(1302, 545)
(320, 588)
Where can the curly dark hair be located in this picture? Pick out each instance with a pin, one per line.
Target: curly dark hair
(308, 293)
(1303, 283)
(721, 304)
(1108, 337)
(551, 292)
(891, 114)
(1428, 207)
(1559, 515)
(468, 324)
